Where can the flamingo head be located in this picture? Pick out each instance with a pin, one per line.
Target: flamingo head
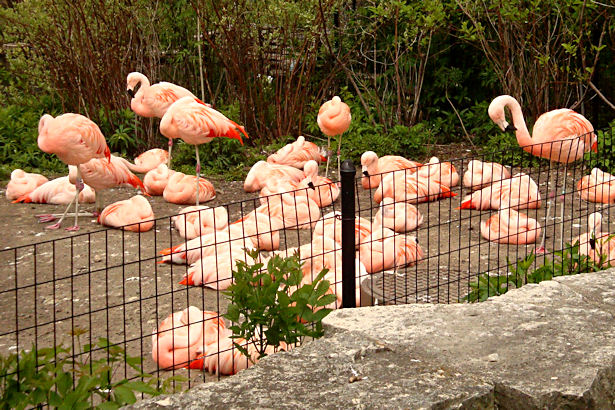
(498, 115)
(134, 82)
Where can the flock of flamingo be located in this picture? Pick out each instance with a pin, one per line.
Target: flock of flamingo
(292, 194)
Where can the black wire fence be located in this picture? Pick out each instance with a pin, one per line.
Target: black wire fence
(157, 294)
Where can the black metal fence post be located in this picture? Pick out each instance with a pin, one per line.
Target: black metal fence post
(348, 240)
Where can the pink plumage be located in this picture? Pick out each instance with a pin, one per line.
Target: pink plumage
(134, 214)
(334, 117)
(518, 192)
(263, 172)
(598, 186)
(151, 159)
(181, 189)
(510, 226)
(296, 154)
(375, 168)
(23, 183)
(153, 100)
(156, 180)
(58, 191)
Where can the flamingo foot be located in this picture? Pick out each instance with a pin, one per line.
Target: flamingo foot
(73, 228)
(42, 218)
(540, 250)
(54, 226)
(551, 194)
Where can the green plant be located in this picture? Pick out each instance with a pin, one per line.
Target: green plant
(52, 376)
(273, 303)
(569, 261)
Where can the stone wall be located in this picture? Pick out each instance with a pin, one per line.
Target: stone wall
(550, 345)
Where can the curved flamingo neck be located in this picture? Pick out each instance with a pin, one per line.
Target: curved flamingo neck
(522, 133)
(144, 85)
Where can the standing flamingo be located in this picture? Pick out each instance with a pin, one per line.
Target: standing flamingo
(153, 100)
(197, 123)
(76, 140)
(334, 119)
(561, 135)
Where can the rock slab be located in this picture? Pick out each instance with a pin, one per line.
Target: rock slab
(550, 345)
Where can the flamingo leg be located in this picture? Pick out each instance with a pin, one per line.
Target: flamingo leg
(78, 188)
(75, 199)
(339, 168)
(198, 173)
(541, 248)
(170, 149)
(561, 212)
(328, 156)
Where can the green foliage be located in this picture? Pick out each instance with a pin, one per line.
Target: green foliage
(605, 157)
(50, 376)
(569, 262)
(272, 303)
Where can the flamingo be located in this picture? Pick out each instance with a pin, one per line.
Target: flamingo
(263, 172)
(482, 174)
(202, 246)
(334, 276)
(58, 191)
(331, 225)
(151, 159)
(296, 211)
(156, 180)
(510, 226)
(75, 139)
(101, 174)
(322, 190)
(134, 214)
(561, 135)
(194, 221)
(410, 187)
(22, 183)
(398, 216)
(373, 167)
(442, 172)
(197, 123)
(333, 119)
(384, 249)
(296, 154)
(280, 186)
(596, 244)
(153, 100)
(180, 189)
(184, 335)
(260, 227)
(598, 186)
(518, 192)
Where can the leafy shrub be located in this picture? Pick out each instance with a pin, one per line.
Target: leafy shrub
(605, 157)
(272, 301)
(51, 376)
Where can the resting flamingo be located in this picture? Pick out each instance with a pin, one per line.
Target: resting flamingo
(518, 192)
(197, 123)
(398, 216)
(409, 187)
(280, 186)
(598, 186)
(482, 174)
(156, 180)
(206, 245)
(510, 226)
(296, 154)
(333, 119)
(322, 190)
(384, 249)
(263, 172)
(561, 135)
(75, 139)
(134, 214)
(260, 227)
(194, 221)
(23, 183)
(297, 212)
(331, 225)
(442, 172)
(373, 167)
(598, 245)
(58, 191)
(150, 160)
(180, 189)
(153, 100)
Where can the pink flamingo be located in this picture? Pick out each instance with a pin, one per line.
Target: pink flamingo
(384, 249)
(322, 190)
(296, 211)
(202, 246)
(510, 226)
(296, 154)
(156, 180)
(373, 167)
(333, 119)
(195, 221)
(322, 253)
(153, 100)
(518, 192)
(331, 225)
(151, 159)
(180, 189)
(442, 172)
(398, 216)
(596, 244)
(75, 139)
(334, 276)
(197, 123)
(102, 174)
(22, 183)
(134, 214)
(282, 186)
(58, 191)
(260, 227)
(263, 172)
(184, 335)
(482, 174)
(410, 187)
(598, 186)
(560, 136)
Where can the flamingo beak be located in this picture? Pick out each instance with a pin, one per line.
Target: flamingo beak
(187, 280)
(592, 243)
(131, 93)
(366, 173)
(311, 185)
(510, 128)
